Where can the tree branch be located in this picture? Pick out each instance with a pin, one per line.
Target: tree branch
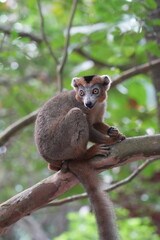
(132, 149)
(2, 42)
(108, 189)
(125, 75)
(96, 62)
(141, 69)
(22, 34)
(65, 53)
(17, 126)
(135, 71)
(10, 131)
(60, 65)
(44, 35)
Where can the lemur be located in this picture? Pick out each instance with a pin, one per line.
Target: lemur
(65, 125)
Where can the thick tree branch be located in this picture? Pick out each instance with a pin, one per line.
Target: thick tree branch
(108, 189)
(132, 149)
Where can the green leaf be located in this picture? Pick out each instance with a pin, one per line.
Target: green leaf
(151, 3)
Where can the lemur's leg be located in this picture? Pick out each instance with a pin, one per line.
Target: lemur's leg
(70, 136)
(98, 137)
(70, 140)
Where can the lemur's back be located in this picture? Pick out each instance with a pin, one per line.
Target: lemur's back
(57, 106)
(55, 109)
(49, 118)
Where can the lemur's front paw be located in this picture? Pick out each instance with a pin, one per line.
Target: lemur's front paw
(114, 133)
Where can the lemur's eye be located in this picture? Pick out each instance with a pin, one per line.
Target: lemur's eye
(95, 91)
(81, 93)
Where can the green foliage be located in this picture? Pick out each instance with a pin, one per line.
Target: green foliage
(83, 227)
(138, 228)
(80, 227)
(113, 33)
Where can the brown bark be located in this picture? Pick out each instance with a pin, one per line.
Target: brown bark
(132, 149)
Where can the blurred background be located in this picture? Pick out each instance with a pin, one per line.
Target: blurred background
(107, 37)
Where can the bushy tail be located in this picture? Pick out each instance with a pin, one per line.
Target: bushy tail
(100, 201)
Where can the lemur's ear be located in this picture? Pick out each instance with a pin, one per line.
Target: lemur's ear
(74, 82)
(106, 81)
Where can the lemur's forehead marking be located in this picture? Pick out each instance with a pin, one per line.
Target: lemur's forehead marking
(88, 79)
(92, 79)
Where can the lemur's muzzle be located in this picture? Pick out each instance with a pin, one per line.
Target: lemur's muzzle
(89, 104)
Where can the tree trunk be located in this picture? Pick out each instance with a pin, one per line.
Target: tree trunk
(154, 35)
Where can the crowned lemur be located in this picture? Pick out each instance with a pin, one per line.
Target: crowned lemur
(64, 126)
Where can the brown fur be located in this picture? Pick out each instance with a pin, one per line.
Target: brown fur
(103, 96)
(81, 81)
(63, 128)
(100, 201)
(95, 80)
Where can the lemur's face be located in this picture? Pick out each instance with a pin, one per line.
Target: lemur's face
(89, 94)
(91, 89)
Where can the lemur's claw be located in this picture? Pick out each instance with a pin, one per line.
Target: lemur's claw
(123, 137)
(103, 149)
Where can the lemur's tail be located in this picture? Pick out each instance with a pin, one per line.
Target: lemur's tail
(100, 201)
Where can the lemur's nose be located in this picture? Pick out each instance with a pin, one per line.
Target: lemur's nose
(89, 104)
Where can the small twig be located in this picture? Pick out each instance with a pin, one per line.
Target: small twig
(65, 53)
(108, 189)
(44, 35)
(132, 176)
(2, 42)
(22, 34)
